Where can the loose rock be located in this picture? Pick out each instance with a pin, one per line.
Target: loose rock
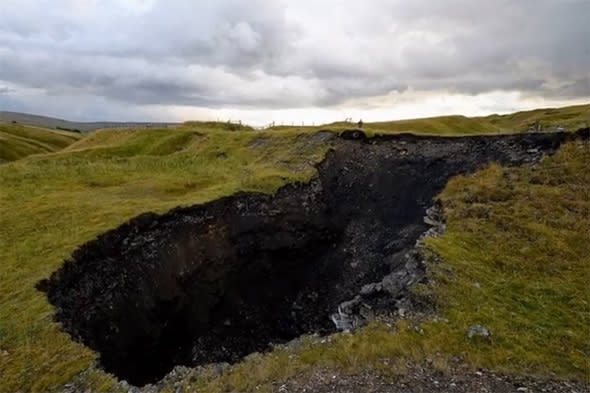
(477, 330)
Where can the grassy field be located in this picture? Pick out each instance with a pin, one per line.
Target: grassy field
(18, 141)
(521, 234)
(569, 118)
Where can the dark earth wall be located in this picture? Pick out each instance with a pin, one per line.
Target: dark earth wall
(215, 282)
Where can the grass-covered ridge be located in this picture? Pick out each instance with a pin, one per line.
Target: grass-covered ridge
(505, 225)
(551, 119)
(18, 141)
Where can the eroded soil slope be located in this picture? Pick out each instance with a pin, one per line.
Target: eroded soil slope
(214, 282)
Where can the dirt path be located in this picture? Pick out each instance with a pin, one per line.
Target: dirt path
(426, 381)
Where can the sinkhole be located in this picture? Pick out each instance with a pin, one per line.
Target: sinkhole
(215, 282)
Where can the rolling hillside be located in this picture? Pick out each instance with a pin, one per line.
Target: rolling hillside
(19, 141)
(550, 119)
(55, 123)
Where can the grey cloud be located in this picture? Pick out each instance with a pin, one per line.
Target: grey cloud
(8, 104)
(6, 90)
(279, 54)
(475, 47)
(225, 32)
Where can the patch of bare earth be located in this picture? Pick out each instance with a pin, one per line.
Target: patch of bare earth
(425, 380)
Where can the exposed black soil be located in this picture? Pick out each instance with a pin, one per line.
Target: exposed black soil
(215, 282)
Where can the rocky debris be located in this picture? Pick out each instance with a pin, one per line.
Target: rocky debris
(415, 378)
(345, 321)
(478, 331)
(391, 293)
(373, 298)
(215, 282)
(434, 217)
(258, 143)
(323, 136)
(175, 381)
(425, 380)
(353, 134)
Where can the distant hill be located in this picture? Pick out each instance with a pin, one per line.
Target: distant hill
(570, 118)
(18, 141)
(54, 123)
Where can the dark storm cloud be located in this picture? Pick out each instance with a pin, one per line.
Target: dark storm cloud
(279, 54)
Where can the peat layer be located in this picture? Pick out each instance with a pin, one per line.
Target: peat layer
(215, 282)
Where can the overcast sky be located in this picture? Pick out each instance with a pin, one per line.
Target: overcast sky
(291, 61)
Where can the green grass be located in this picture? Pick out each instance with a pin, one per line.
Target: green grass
(570, 118)
(521, 234)
(18, 141)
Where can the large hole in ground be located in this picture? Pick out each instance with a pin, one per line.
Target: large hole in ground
(215, 282)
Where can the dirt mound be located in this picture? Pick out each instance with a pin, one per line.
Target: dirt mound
(214, 282)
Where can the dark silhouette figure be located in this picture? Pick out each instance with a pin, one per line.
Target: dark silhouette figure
(360, 123)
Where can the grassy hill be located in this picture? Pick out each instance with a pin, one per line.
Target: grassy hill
(520, 233)
(569, 118)
(18, 141)
(55, 123)
(551, 119)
